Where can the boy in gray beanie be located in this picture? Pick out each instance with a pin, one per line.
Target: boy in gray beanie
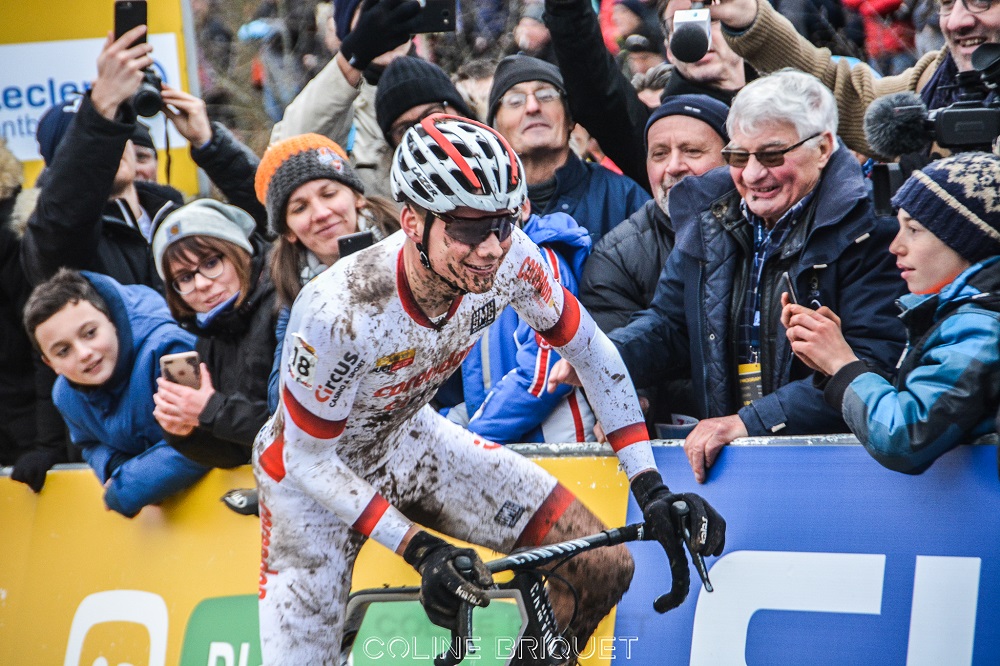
(947, 389)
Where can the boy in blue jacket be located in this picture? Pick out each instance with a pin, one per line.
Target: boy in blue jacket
(947, 388)
(105, 340)
(505, 374)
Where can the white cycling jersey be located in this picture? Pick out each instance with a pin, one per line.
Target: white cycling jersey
(360, 358)
(354, 444)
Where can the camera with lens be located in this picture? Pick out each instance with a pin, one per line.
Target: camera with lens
(900, 125)
(147, 100)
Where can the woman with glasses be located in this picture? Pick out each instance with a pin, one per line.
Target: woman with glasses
(314, 198)
(218, 286)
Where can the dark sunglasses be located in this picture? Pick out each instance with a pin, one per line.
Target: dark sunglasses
(767, 158)
(472, 232)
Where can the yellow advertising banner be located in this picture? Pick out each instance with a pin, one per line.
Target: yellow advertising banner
(83, 586)
(49, 53)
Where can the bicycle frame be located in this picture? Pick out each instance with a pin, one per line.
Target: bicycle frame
(540, 622)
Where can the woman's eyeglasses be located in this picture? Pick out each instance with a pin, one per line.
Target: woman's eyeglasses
(210, 268)
(767, 158)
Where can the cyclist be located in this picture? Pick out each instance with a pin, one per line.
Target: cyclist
(354, 451)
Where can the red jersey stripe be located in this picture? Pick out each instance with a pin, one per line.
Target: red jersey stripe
(548, 514)
(629, 434)
(369, 518)
(309, 423)
(574, 407)
(568, 324)
(272, 460)
(541, 372)
(410, 303)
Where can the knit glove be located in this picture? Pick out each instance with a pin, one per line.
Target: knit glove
(382, 26)
(442, 586)
(31, 467)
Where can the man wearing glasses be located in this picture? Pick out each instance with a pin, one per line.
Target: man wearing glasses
(793, 201)
(355, 452)
(769, 42)
(527, 105)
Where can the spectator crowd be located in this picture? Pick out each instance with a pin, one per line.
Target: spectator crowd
(715, 217)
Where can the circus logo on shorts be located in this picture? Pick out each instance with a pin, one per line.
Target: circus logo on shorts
(532, 272)
(396, 361)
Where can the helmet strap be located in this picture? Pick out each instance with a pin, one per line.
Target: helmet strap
(425, 260)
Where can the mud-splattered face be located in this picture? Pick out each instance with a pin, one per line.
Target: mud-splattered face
(470, 267)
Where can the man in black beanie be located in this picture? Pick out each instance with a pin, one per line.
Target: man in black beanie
(371, 88)
(410, 90)
(527, 105)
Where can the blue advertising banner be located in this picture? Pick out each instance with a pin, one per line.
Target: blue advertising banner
(830, 559)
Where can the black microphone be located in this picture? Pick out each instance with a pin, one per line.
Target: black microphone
(896, 125)
(692, 34)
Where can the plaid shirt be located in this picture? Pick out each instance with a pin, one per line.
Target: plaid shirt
(765, 245)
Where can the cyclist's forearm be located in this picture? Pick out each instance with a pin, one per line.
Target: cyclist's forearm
(607, 382)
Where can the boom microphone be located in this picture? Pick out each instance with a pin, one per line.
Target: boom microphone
(896, 125)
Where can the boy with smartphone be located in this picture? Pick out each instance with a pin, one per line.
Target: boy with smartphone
(947, 387)
(105, 341)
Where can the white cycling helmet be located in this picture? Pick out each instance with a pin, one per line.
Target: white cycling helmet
(445, 162)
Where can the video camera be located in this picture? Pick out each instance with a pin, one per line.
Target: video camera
(900, 125)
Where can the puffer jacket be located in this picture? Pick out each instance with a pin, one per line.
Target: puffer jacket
(621, 274)
(948, 387)
(237, 347)
(836, 256)
(113, 423)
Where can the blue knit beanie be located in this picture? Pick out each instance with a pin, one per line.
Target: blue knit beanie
(343, 13)
(702, 107)
(958, 200)
(52, 128)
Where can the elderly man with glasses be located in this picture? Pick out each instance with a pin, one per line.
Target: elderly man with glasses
(768, 41)
(527, 105)
(792, 202)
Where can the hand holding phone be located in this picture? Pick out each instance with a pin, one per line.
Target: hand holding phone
(789, 288)
(130, 14)
(183, 368)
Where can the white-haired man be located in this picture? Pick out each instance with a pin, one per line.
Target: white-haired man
(383, 329)
(792, 201)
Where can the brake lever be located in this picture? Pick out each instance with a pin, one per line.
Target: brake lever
(683, 512)
(460, 634)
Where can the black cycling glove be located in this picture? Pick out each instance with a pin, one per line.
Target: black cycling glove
(382, 26)
(442, 586)
(32, 466)
(708, 528)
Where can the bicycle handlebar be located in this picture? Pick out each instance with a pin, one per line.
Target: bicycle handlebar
(679, 573)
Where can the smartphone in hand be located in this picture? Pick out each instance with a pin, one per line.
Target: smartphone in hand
(435, 16)
(129, 14)
(789, 287)
(351, 243)
(183, 368)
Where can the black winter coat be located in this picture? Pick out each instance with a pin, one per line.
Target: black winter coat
(238, 348)
(600, 97)
(621, 274)
(836, 256)
(74, 223)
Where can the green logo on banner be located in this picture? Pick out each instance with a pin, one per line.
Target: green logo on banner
(224, 631)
